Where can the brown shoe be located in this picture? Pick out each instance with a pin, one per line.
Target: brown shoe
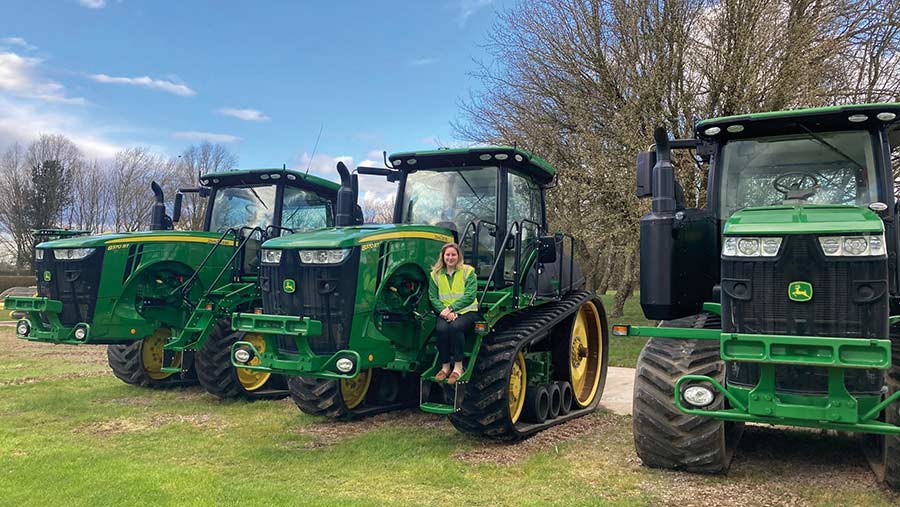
(454, 376)
(440, 376)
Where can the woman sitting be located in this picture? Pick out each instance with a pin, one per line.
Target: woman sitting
(452, 292)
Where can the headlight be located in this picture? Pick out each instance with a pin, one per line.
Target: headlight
(38, 254)
(335, 256)
(23, 327)
(72, 254)
(853, 246)
(751, 247)
(271, 256)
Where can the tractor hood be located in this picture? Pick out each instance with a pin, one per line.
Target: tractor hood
(345, 237)
(137, 237)
(805, 219)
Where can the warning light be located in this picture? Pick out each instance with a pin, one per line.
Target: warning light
(133, 331)
(620, 330)
(371, 357)
(258, 311)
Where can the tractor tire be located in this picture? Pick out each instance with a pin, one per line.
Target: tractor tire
(129, 363)
(492, 402)
(891, 449)
(220, 378)
(665, 437)
(371, 392)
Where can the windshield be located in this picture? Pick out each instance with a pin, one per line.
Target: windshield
(250, 206)
(455, 194)
(815, 168)
(303, 210)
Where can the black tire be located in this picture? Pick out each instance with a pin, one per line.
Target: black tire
(319, 397)
(565, 390)
(219, 377)
(891, 449)
(555, 400)
(665, 437)
(127, 365)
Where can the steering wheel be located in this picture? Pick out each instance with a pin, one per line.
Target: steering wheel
(797, 185)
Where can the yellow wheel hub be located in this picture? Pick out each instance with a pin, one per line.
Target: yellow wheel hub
(252, 380)
(586, 354)
(354, 390)
(152, 354)
(517, 388)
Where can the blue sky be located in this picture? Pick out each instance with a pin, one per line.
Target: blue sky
(258, 77)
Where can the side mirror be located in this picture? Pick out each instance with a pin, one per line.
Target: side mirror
(547, 249)
(176, 208)
(645, 162)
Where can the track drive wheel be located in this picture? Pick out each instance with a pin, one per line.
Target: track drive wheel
(219, 377)
(139, 362)
(337, 399)
(665, 437)
(581, 358)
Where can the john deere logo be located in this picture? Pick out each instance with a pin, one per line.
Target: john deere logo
(47, 276)
(800, 291)
(289, 286)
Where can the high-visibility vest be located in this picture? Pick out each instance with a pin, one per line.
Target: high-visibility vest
(449, 294)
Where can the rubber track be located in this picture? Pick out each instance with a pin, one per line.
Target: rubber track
(891, 458)
(483, 408)
(126, 364)
(665, 437)
(216, 373)
(322, 397)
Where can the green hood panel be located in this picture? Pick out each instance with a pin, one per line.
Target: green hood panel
(807, 219)
(345, 237)
(137, 237)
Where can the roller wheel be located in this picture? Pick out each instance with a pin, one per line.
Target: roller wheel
(665, 437)
(337, 399)
(138, 363)
(220, 378)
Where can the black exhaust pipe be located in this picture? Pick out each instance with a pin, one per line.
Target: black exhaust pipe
(158, 214)
(345, 198)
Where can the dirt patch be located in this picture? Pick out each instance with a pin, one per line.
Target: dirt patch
(81, 354)
(136, 424)
(328, 432)
(511, 453)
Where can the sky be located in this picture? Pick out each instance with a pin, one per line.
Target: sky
(261, 78)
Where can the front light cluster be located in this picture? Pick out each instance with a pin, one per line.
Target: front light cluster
(751, 247)
(335, 256)
(853, 246)
(271, 256)
(72, 254)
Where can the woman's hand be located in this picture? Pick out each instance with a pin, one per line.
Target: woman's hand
(445, 312)
(452, 317)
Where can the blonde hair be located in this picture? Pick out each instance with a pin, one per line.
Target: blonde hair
(440, 262)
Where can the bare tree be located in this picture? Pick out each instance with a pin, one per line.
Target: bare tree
(132, 172)
(378, 211)
(196, 161)
(90, 208)
(15, 184)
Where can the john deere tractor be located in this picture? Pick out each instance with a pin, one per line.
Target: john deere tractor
(347, 316)
(161, 300)
(779, 298)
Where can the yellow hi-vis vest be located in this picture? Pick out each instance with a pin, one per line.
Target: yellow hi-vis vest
(448, 294)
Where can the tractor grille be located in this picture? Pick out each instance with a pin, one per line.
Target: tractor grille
(850, 299)
(323, 293)
(75, 283)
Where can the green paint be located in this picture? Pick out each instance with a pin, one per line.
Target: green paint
(800, 291)
(289, 286)
(847, 110)
(47, 276)
(805, 219)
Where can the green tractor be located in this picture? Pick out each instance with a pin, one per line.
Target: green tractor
(161, 299)
(779, 298)
(347, 316)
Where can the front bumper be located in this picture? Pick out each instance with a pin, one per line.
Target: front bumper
(44, 325)
(304, 362)
(837, 410)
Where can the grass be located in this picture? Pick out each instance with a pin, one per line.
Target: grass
(624, 350)
(72, 434)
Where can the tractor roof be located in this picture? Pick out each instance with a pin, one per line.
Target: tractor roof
(249, 176)
(864, 116)
(509, 156)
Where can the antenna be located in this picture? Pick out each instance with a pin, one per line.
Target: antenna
(314, 149)
(387, 163)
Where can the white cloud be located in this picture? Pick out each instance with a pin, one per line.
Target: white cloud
(18, 41)
(206, 136)
(25, 122)
(146, 82)
(469, 7)
(93, 4)
(422, 61)
(18, 77)
(244, 114)
(376, 188)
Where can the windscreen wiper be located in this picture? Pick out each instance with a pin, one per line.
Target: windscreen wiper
(258, 198)
(831, 147)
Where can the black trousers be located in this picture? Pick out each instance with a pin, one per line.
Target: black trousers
(451, 336)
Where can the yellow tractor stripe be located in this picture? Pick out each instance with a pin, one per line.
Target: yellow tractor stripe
(408, 235)
(170, 239)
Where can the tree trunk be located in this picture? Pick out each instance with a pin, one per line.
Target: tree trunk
(629, 280)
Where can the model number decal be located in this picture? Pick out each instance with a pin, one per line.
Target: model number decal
(369, 246)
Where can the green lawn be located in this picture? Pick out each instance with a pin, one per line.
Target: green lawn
(624, 350)
(72, 434)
